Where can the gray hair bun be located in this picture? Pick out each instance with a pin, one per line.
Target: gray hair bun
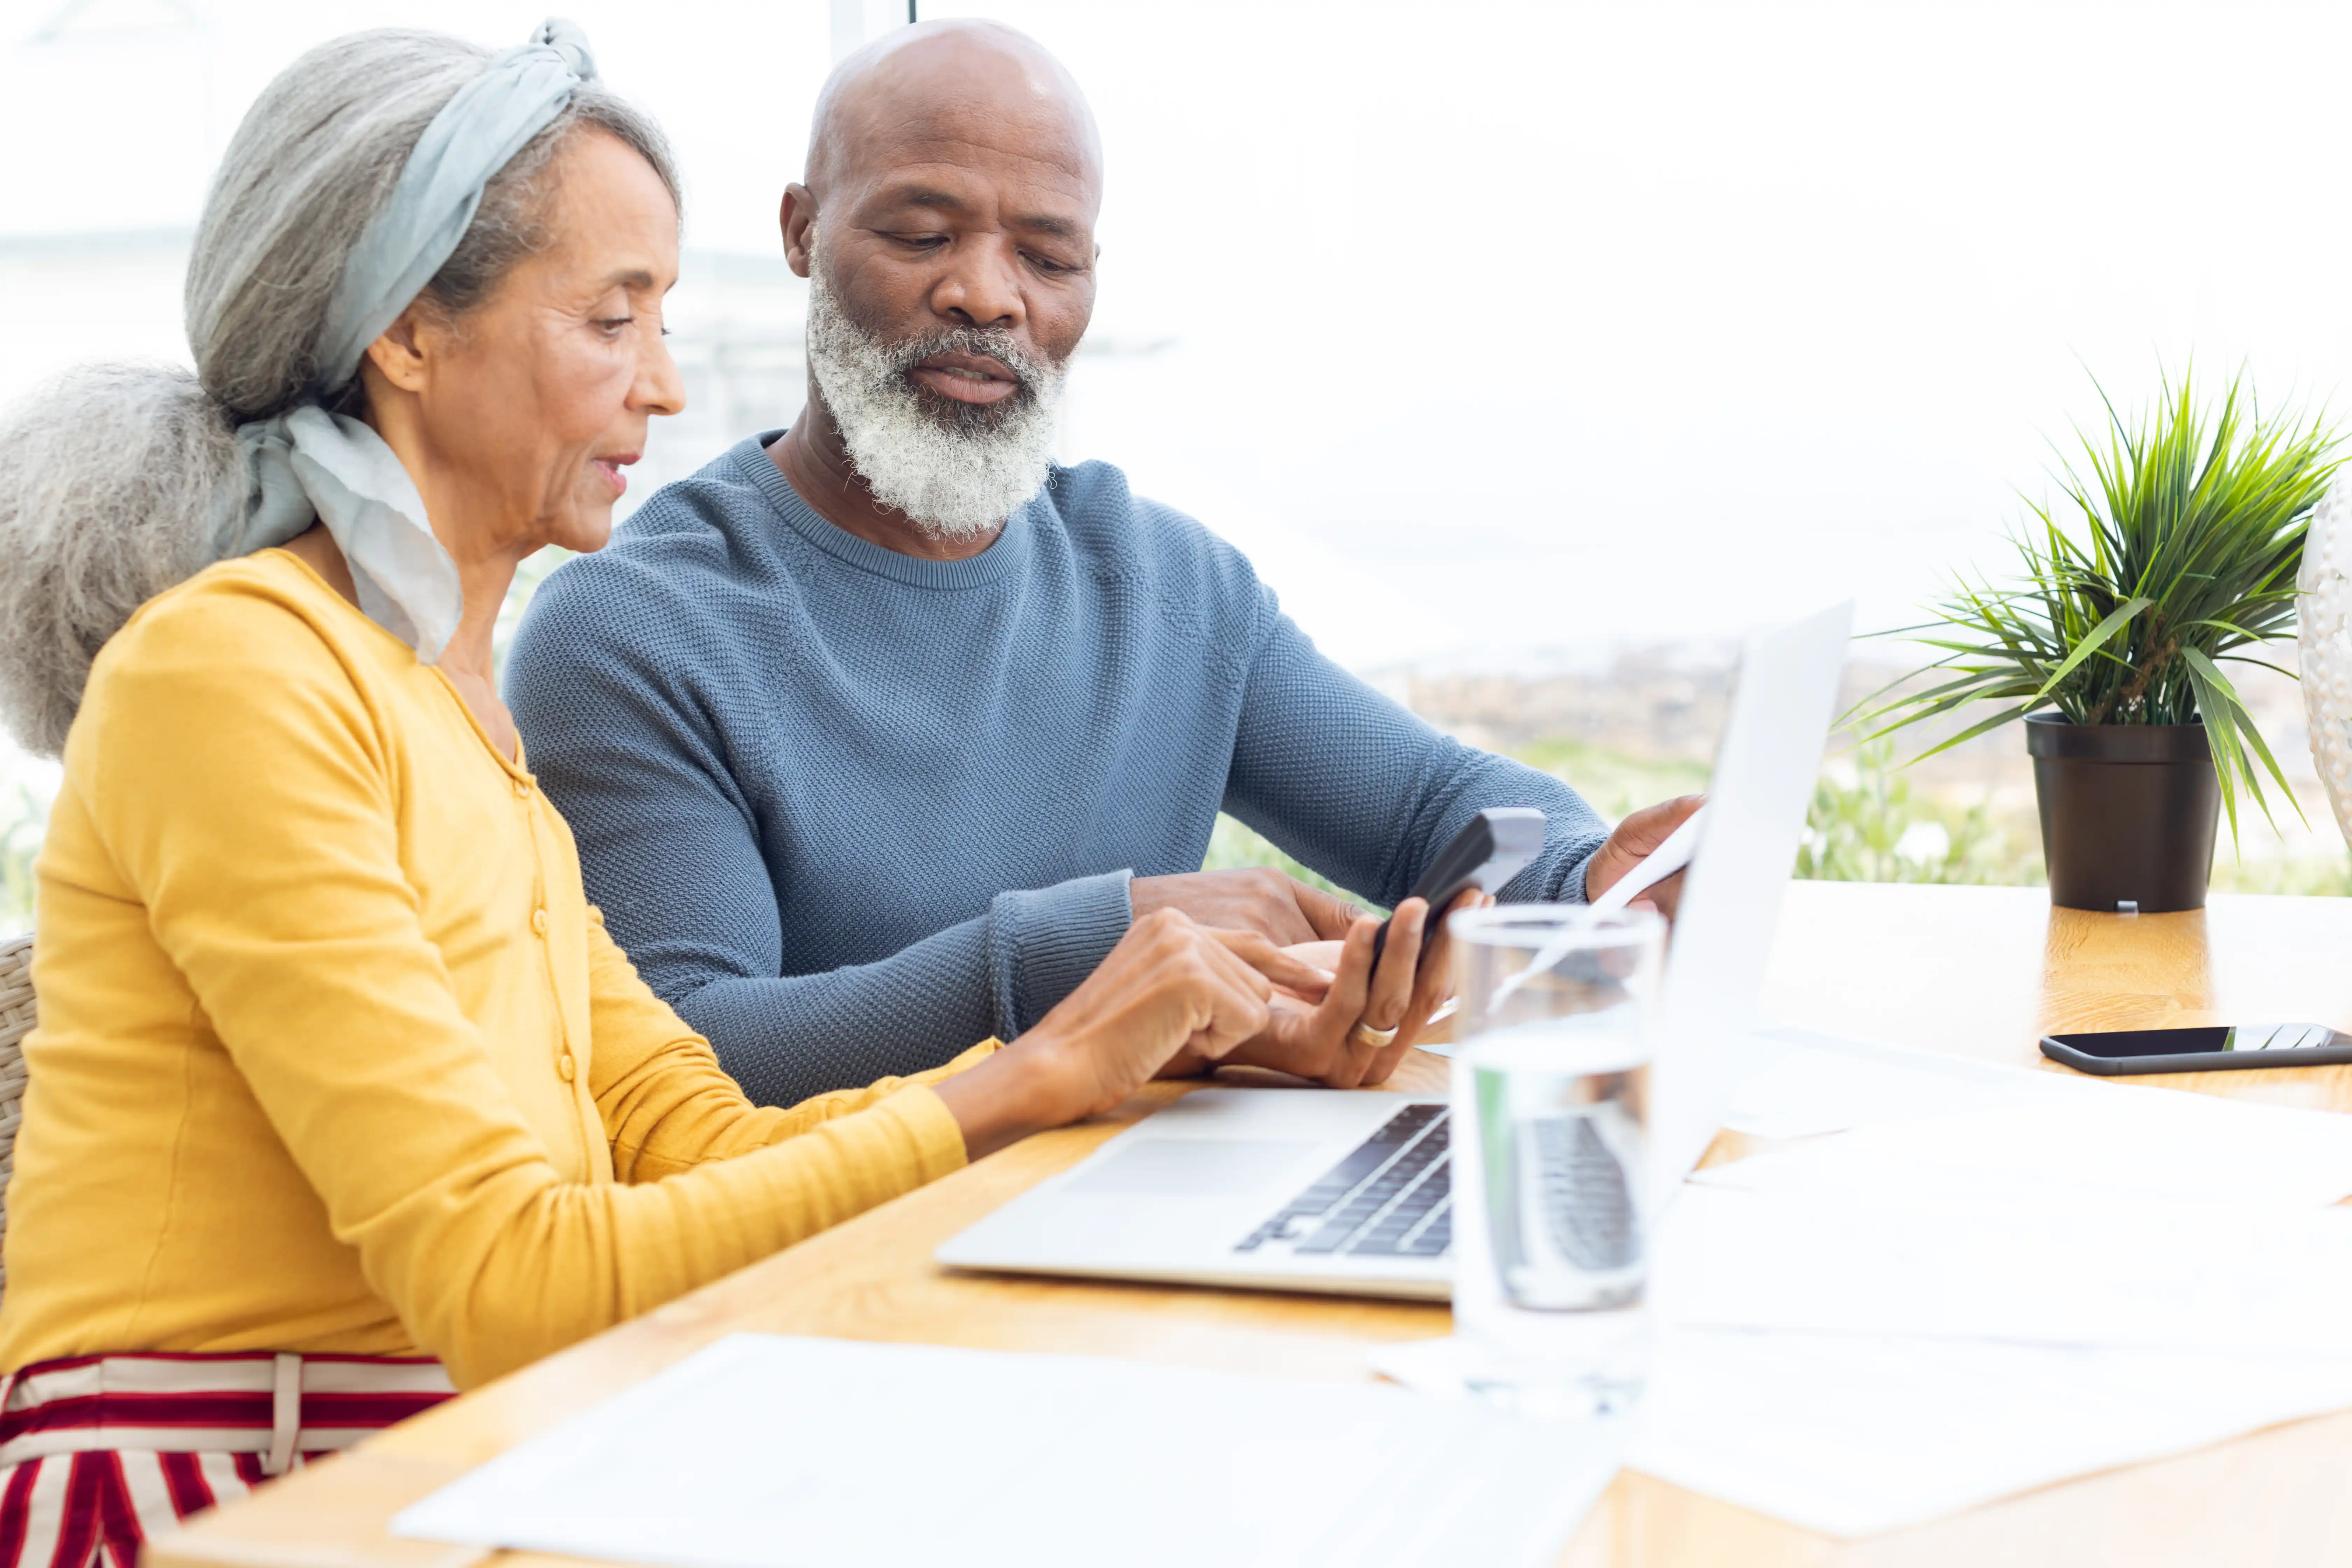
(107, 478)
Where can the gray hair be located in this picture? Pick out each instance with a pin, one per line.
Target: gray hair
(108, 476)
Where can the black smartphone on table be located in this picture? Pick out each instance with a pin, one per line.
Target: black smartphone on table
(2207, 1049)
(1493, 848)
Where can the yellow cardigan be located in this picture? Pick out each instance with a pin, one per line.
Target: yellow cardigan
(333, 1054)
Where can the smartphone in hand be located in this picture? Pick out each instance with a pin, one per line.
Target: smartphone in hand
(1493, 848)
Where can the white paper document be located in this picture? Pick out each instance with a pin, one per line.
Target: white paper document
(1812, 1084)
(2115, 1143)
(2186, 1276)
(1975, 1279)
(1850, 1437)
(770, 1452)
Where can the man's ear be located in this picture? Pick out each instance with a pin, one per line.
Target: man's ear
(398, 355)
(797, 216)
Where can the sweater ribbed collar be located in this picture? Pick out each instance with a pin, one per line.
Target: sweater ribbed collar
(1007, 554)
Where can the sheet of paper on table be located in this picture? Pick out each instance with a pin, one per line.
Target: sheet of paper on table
(1852, 1435)
(2188, 1275)
(762, 1451)
(1810, 1083)
(2107, 1141)
(1798, 1083)
(1975, 1279)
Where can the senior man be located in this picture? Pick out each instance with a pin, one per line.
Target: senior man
(876, 734)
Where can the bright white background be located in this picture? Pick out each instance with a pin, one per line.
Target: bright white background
(1491, 327)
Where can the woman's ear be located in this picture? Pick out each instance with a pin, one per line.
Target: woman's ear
(399, 355)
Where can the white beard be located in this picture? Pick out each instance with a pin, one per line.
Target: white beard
(956, 470)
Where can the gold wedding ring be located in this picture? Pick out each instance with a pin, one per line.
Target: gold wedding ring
(1365, 1034)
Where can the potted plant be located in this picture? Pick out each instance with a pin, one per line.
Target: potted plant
(2134, 590)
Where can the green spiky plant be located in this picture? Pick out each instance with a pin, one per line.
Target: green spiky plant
(2185, 546)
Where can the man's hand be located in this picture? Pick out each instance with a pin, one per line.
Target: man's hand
(1280, 908)
(1635, 836)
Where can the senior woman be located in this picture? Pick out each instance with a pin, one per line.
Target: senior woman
(339, 1082)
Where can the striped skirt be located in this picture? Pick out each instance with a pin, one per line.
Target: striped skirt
(100, 1453)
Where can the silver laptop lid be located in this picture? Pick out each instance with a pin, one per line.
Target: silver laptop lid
(1782, 709)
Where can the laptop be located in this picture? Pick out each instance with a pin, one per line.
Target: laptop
(1346, 1191)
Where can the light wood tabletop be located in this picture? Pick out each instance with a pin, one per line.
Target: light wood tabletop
(1983, 972)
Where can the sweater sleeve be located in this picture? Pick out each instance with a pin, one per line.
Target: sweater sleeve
(660, 801)
(1367, 794)
(246, 794)
(666, 1105)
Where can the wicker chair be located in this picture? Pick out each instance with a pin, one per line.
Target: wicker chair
(15, 1022)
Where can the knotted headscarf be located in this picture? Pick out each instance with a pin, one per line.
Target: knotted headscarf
(307, 464)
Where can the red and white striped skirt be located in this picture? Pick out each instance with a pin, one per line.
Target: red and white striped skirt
(100, 1453)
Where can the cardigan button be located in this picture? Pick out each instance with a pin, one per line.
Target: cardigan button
(566, 1067)
(523, 789)
(539, 921)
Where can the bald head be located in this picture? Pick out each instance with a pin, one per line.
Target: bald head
(947, 227)
(917, 92)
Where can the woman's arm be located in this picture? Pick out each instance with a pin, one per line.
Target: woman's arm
(667, 1104)
(1169, 989)
(242, 786)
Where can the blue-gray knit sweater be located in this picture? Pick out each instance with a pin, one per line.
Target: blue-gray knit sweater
(850, 811)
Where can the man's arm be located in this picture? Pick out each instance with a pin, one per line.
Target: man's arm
(671, 850)
(1352, 784)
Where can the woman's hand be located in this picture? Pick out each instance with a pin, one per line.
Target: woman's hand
(1168, 986)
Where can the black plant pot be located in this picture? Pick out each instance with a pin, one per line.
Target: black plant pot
(2128, 813)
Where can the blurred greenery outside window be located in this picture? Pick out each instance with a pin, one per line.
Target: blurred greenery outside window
(1867, 823)
(1870, 829)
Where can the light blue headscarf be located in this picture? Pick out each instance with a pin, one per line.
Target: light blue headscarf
(309, 464)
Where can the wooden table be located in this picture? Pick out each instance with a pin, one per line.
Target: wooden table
(1981, 971)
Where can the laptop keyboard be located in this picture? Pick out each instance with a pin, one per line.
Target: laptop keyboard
(1391, 1197)
(1587, 1205)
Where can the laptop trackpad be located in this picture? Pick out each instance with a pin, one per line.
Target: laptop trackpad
(1187, 1166)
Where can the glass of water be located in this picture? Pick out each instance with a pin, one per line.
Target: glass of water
(1550, 1090)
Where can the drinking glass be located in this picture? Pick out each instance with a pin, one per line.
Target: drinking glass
(1550, 1090)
